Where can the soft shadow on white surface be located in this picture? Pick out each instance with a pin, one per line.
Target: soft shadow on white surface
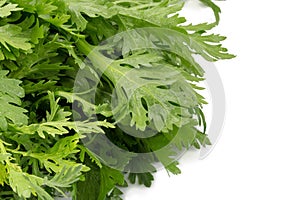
(195, 13)
(258, 154)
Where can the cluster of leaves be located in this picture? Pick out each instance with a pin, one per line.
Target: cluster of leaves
(42, 47)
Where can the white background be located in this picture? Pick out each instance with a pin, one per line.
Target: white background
(257, 157)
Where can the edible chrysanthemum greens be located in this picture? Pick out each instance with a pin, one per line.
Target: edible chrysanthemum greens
(80, 76)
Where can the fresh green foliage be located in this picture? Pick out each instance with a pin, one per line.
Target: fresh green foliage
(6, 9)
(10, 94)
(139, 80)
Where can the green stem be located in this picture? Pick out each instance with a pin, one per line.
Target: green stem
(99, 61)
(92, 53)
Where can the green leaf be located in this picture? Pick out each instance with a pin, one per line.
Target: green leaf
(89, 8)
(41, 7)
(66, 177)
(3, 174)
(173, 168)
(99, 182)
(143, 178)
(109, 178)
(26, 185)
(7, 9)
(89, 188)
(11, 36)
(157, 94)
(208, 46)
(115, 194)
(152, 14)
(58, 160)
(159, 99)
(215, 9)
(36, 33)
(10, 94)
(31, 87)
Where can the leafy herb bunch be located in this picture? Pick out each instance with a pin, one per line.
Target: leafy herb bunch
(66, 101)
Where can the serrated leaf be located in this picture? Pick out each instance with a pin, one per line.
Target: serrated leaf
(109, 178)
(160, 99)
(88, 7)
(7, 9)
(173, 168)
(11, 36)
(100, 182)
(25, 185)
(154, 13)
(10, 94)
(142, 178)
(115, 194)
(3, 174)
(66, 177)
(215, 9)
(41, 86)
